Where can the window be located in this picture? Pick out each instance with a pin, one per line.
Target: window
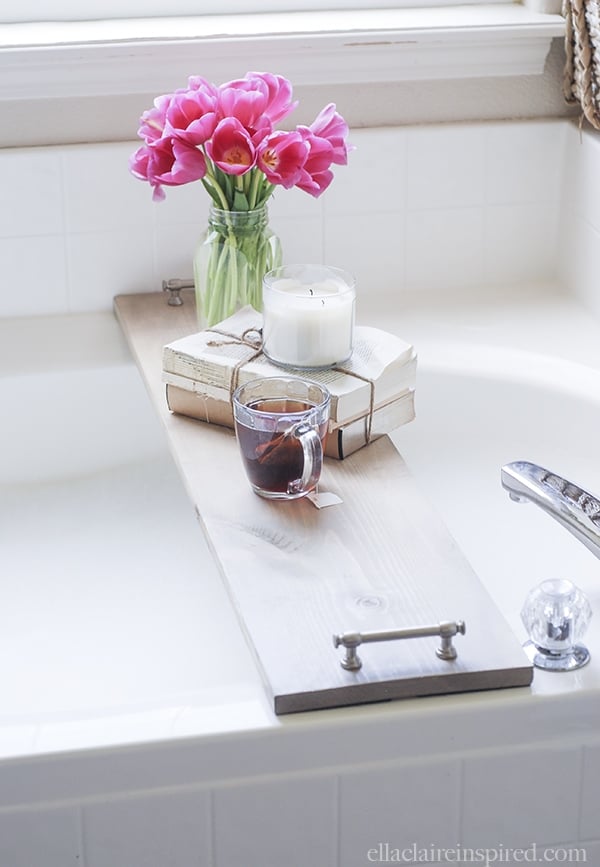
(43, 59)
(79, 10)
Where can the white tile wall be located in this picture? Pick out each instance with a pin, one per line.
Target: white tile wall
(417, 209)
(590, 801)
(158, 831)
(406, 805)
(291, 822)
(520, 798)
(41, 838)
(339, 817)
(579, 229)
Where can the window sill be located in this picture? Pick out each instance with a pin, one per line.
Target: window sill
(55, 60)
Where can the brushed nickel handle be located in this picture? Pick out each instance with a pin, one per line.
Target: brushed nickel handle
(174, 287)
(447, 629)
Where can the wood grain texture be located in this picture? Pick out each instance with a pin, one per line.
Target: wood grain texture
(382, 559)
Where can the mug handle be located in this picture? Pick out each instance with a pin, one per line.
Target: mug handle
(313, 458)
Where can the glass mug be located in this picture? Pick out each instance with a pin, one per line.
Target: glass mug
(281, 423)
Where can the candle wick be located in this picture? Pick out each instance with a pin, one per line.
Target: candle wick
(310, 290)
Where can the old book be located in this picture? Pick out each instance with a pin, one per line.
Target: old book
(342, 440)
(211, 362)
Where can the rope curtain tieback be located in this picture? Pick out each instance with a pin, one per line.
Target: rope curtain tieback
(582, 69)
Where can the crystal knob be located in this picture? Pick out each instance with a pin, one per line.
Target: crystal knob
(556, 614)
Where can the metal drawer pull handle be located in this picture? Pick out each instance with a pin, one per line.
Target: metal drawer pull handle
(447, 629)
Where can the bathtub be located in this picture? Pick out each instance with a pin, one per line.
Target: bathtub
(126, 678)
(514, 379)
(507, 405)
(115, 602)
(111, 598)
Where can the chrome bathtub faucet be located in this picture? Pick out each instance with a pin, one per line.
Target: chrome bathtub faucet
(556, 613)
(573, 508)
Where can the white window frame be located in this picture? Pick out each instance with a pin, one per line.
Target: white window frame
(152, 56)
(87, 10)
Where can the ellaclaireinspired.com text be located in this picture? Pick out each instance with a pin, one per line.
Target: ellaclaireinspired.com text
(387, 853)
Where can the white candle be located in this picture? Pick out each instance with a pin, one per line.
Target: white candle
(308, 315)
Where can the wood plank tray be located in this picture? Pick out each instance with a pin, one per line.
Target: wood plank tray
(382, 559)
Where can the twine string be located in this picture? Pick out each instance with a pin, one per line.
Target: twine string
(252, 338)
(255, 344)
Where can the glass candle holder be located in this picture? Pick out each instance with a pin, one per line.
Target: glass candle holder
(308, 316)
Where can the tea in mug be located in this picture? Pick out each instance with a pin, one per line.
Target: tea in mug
(281, 425)
(274, 460)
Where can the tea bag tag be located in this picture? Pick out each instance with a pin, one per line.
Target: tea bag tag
(322, 499)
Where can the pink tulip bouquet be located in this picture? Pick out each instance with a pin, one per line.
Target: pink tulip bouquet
(225, 137)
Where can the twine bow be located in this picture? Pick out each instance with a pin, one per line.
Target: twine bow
(255, 343)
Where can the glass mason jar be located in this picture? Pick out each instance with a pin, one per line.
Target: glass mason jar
(231, 259)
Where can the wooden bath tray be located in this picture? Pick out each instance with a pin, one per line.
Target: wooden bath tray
(381, 560)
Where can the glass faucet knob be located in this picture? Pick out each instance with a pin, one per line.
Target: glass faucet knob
(556, 615)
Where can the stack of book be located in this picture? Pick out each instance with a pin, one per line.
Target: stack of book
(371, 394)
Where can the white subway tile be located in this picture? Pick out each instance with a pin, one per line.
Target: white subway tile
(33, 276)
(583, 178)
(175, 247)
(444, 248)
(590, 794)
(40, 838)
(188, 203)
(414, 805)
(520, 244)
(374, 181)
(159, 831)
(104, 264)
(524, 161)
(296, 203)
(517, 798)
(30, 193)
(579, 261)
(371, 249)
(445, 166)
(301, 239)
(291, 822)
(100, 193)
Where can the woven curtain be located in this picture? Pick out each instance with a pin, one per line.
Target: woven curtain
(582, 69)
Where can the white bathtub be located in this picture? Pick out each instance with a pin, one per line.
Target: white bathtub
(114, 625)
(127, 686)
(505, 405)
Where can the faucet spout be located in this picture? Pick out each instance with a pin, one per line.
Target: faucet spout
(573, 508)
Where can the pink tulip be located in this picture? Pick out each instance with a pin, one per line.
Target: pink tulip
(196, 82)
(204, 128)
(152, 122)
(247, 107)
(258, 101)
(315, 175)
(231, 147)
(191, 116)
(281, 157)
(279, 94)
(167, 162)
(331, 126)
(138, 163)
